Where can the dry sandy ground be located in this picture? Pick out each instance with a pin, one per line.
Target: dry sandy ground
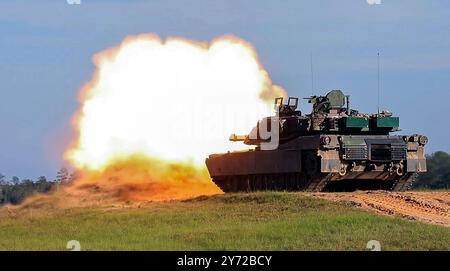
(430, 207)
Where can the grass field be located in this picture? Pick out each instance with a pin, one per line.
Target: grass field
(261, 221)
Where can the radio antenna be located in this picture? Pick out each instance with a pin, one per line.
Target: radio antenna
(378, 81)
(312, 74)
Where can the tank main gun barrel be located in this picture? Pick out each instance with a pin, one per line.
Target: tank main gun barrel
(237, 138)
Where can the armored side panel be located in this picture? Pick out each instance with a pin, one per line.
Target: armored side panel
(254, 162)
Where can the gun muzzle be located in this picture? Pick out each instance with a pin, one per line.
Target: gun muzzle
(235, 137)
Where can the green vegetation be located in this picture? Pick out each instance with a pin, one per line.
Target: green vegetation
(260, 221)
(438, 175)
(16, 190)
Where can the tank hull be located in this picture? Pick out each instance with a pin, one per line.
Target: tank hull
(346, 163)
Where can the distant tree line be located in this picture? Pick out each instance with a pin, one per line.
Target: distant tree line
(14, 191)
(438, 175)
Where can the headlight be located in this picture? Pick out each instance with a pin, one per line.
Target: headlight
(326, 140)
(423, 140)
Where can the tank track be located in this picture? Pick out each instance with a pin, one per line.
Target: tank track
(277, 182)
(296, 182)
(319, 183)
(405, 182)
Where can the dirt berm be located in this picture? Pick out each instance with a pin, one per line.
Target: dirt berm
(430, 207)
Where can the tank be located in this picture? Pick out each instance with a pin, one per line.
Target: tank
(334, 148)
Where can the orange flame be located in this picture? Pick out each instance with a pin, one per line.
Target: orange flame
(155, 109)
(144, 179)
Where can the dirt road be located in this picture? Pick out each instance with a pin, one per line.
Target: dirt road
(430, 207)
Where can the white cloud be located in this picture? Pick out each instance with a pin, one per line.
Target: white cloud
(374, 2)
